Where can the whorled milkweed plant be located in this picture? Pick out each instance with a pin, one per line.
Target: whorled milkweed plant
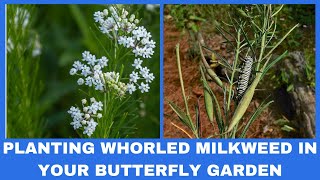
(24, 88)
(251, 35)
(106, 112)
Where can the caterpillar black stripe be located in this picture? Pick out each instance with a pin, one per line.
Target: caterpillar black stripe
(244, 77)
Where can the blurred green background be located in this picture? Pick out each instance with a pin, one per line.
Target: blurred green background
(65, 31)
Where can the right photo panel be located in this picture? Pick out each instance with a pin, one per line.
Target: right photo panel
(239, 71)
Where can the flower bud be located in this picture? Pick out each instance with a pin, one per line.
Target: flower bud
(87, 116)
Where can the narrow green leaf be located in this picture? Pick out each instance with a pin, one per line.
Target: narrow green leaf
(182, 116)
(287, 128)
(282, 39)
(221, 29)
(192, 17)
(273, 63)
(290, 87)
(242, 13)
(198, 120)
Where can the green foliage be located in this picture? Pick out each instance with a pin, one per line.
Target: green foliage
(303, 39)
(24, 88)
(185, 16)
(285, 125)
(195, 17)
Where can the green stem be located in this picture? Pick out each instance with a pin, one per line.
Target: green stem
(115, 45)
(181, 80)
(105, 104)
(263, 40)
(194, 130)
(234, 68)
(128, 52)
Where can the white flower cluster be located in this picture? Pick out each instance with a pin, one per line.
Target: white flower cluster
(126, 30)
(140, 42)
(91, 70)
(139, 73)
(84, 118)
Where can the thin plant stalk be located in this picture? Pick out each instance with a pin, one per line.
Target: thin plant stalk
(181, 80)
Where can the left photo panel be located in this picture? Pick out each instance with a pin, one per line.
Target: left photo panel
(82, 71)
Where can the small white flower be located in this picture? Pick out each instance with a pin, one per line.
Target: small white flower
(130, 42)
(99, 105)
(73, 71)
(99, 115)
(97, 67)
(90, 128)
(144, 72)
(124, 14)
(98, 16)
(86, 71)
(78, 65)
(131, 88)
(83, 122)
(85, 55)
(122, 40)
(76, 124)
(85, 109)
(84, 101)
(137, 63)
(87, 116)
(149, 78)
(105, 12)
(99, 85)
(80, 81)
(92, 99)
(89, 81)
(132, 17)
(134, 77)
(144, 87)
(103, 62)
(91, 60)
(96, 76)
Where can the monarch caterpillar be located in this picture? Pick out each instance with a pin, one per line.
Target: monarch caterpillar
(244, 77)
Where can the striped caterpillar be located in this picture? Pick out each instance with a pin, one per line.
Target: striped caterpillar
(244, 77)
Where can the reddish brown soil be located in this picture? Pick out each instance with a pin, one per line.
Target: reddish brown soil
(263, 127)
